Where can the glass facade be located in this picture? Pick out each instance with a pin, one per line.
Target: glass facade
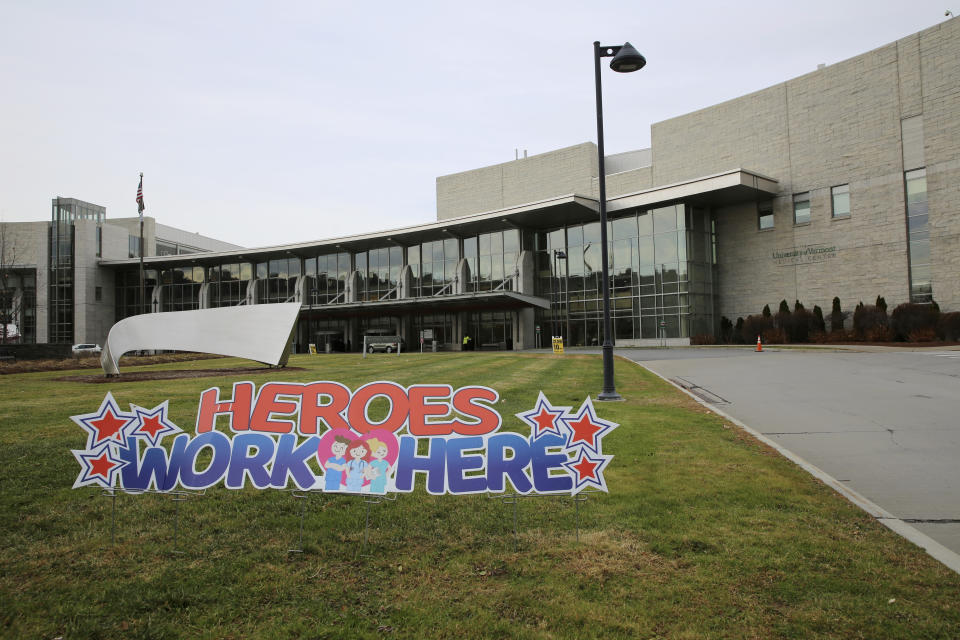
(181, 288)
(228, 284)
(61, 242)
(433, 266)
(493, 259)
(918, 230)
(490, 329)
(277, 280)
(127, 294)
(379, 273)
(327, 278)
(661, 276)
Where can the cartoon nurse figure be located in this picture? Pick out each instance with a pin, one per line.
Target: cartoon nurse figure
(378, 451)
(336, 465)
(359, 452)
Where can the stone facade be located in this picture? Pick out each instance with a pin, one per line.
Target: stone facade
(539, 177)
(838, 125)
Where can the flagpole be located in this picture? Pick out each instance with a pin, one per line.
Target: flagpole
(140, 207)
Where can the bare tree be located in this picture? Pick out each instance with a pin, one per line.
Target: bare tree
(10, 299)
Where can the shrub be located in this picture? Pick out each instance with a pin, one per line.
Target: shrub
(948, 328)
(726, 330)
(801, 324)
(910, 318)
(784, 307)
(881, 304)
(836, 316)
(737, 337)
(819, 326)
(766, 311)
(755, 326)
(867, 319)
(703, 338)
(774, 336)
(840, 336)
(922, 335)
(879, 333)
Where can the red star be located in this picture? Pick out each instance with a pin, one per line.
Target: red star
(545, 420)
(102, 466)
(584, 430)
(151, 426)
(586, 468)
(108, 427)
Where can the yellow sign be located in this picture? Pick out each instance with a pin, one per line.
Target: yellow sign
(313, 349)
(558, 344)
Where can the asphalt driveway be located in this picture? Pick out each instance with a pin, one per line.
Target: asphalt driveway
(886, 424)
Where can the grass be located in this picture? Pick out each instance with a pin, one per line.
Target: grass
(705, 533)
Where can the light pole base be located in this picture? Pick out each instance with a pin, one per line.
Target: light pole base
(612, 396)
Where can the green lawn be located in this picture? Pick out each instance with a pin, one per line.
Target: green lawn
(705, 533)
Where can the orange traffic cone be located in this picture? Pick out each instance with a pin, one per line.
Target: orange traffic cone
(759, 346)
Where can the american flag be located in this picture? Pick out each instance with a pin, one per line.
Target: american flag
(140, 206)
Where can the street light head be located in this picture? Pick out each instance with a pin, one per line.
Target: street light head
(627, 59)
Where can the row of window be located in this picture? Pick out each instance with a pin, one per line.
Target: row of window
(839, 207)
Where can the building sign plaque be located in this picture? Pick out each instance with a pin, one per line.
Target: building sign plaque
(804, 254)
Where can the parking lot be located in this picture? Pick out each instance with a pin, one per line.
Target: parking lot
(885, 423)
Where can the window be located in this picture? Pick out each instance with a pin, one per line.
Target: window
(765, 215)
(98, 294)
(840, 201)
(133, 246)
(801, 208)
(921, 287)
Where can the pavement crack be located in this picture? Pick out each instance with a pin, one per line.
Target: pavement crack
(931, 520)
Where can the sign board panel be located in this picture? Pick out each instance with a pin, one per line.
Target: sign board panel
(281, 432)
(558, 344)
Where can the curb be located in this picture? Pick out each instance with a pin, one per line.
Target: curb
(934, 549)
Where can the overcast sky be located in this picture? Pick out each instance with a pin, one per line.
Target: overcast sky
(266, 123)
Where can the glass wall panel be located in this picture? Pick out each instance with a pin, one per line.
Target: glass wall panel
(652, 254)
(921, 286)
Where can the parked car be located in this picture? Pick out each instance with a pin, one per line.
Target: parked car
(387, 344)
(86, 349)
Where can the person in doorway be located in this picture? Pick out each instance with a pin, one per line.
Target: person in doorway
(466, 343)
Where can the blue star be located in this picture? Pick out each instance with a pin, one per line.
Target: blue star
(107, 425)
(587, 471)
(152, 424)
(543, 418)
(98, 467)
(584, 428)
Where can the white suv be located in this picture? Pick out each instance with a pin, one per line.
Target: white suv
(86, 349)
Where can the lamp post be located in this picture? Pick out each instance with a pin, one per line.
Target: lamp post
(625, 60)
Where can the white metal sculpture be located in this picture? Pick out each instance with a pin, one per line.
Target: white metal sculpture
(258, 332)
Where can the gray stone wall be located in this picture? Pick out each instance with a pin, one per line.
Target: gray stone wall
(93, 318)
(940, 52)
(837, 125)
(538, 177)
